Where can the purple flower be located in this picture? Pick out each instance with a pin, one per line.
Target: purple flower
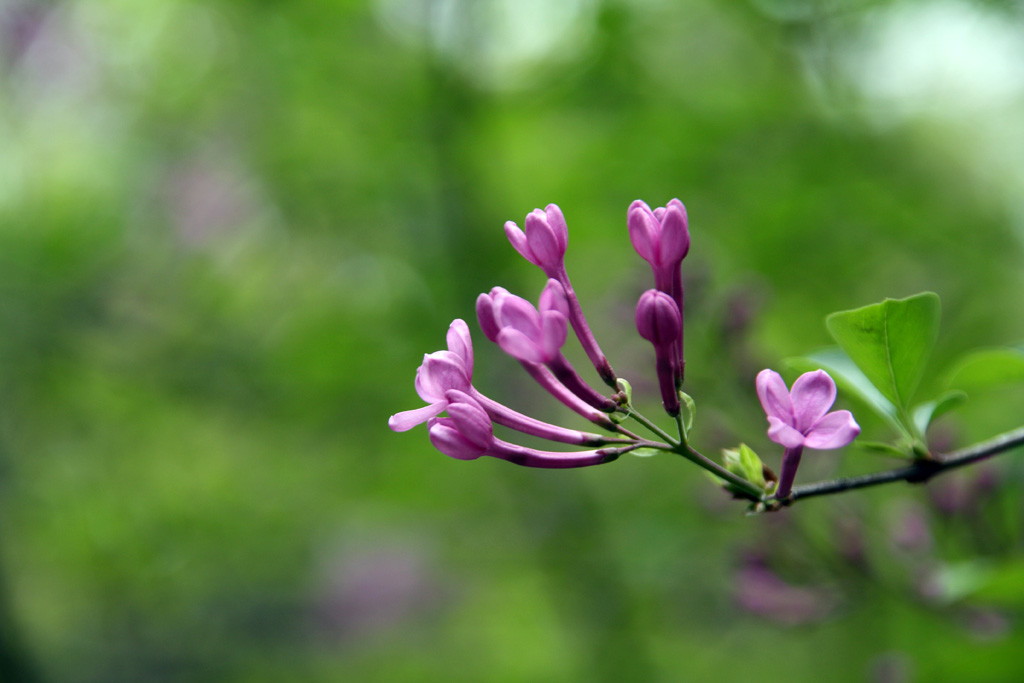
(444, 371)
(800, 418)
(662, 238)
(467, 434)
(532, 335)
(543, 244)
(545, 240)
(658, 321)
(439, 372)
(486, 306)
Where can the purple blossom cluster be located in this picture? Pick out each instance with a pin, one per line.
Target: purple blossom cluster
(536, 335)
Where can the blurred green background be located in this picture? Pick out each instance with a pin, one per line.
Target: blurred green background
(230, 230)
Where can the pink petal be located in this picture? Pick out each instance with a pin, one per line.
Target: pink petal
(542, 240)
(485, 316)
(553, 298)
(406, 420)
(638, 203)
(518, 239)
(439, 372)
(782, 433)
(519, 346)
(675, 236)
(558, 226)
(643, 233)
(812, 395)
(519, 314)
(771, 390)
(835, 430)
(461, 344)
(447, 439)
(554, 332)
(470, 419)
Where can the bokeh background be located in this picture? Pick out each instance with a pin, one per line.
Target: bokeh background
(230, 230)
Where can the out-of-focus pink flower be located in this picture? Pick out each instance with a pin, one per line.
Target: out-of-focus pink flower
(761, 591)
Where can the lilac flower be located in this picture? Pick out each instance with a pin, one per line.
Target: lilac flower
(545, 240)
(443, 371)
(800, 418)
(537, 336)
(439, 372)
(658, 321)
(467, 434)
(486, 305)
(543, 244)
(662, 238)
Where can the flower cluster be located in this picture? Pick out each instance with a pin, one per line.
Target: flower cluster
(535, 337)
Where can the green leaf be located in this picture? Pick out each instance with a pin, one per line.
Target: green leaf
(890, 341)
(850, 381)
(743, 461)
(904, 453)
(926, 412)
(691, 409)
(987, 369)
(645, 452)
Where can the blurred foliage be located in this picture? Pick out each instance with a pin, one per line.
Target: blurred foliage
(229, 230)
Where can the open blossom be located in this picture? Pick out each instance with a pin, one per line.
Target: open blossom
(440, 372)
(467, 434)
(801, 419)
(444, 371)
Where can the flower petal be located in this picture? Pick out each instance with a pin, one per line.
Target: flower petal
(470, 418)
(439, 372)
(407, 419)
(558, 226)
(543, 242)
(782, 433)
(518, 313)
(644, 231)
(812, 395)
(519, 346)
(554, 332)
(675, 235)
(771, 390)
(518, 239)
(553, 298)
(834, 430)
(461, 344)
(447, 439)
(485, 316)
